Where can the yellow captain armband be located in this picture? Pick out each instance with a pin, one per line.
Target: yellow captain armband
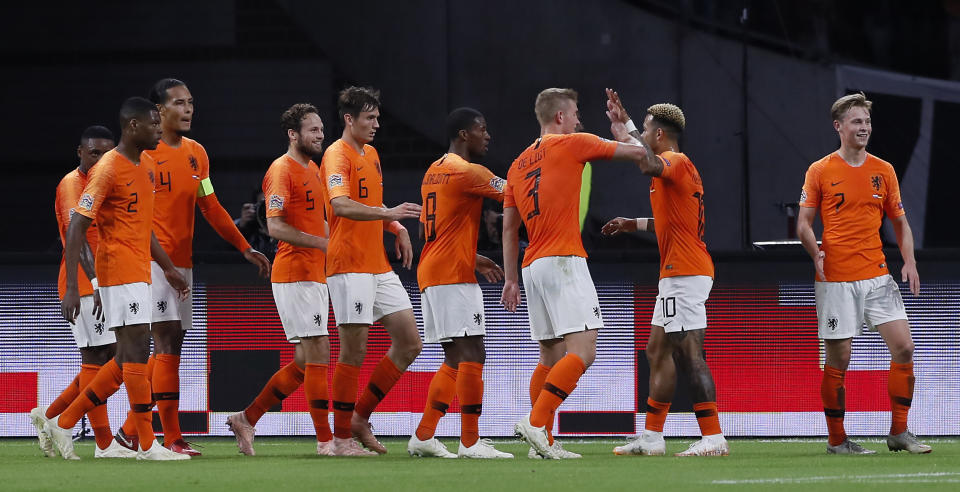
(205, 188)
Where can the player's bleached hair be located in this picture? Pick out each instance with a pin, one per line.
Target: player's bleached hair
(842, 105)
(135, 108)
(461, 119)
(158, 93)
(353, 100)
(549, 102)
(96, 131)
(668, 117)
(292, 118)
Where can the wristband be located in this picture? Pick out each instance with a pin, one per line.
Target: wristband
(93, 282)
(395, 227)
(638, 224)
(630, 126)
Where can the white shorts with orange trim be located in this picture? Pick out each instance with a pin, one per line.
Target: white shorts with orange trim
(561, 297)
(452, 311)
(681, 303)
(87, 330)
(844, 307)
(166, 305)
(363, 298)
(303, 308)
(126, 304)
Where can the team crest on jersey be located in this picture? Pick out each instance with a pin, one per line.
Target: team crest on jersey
(318, 319)
(477, 318)
(193, 163)
(803, 195)
(497, 183)
(899, 205)
(275, 203)
(876, 181)
(334, 181)
(86, 202)
(99, 328)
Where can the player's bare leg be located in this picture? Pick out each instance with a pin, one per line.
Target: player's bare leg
(690, 355)
(900, 386)
(663, 380)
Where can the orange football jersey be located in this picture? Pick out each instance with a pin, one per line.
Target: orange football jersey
(295, 193)
(453, 191)
(852, 201)
(544, 185)
(676, 197)
(119, 197)
(68, 194)
(179, 173)
(356, 246)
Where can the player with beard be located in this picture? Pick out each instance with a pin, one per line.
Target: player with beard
(293, 193)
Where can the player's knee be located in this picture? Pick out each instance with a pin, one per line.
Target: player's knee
(902, 352)
(410, 349)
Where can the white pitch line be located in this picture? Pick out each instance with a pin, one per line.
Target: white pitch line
(937, 477)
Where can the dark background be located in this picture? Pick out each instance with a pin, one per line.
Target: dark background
(756, 94)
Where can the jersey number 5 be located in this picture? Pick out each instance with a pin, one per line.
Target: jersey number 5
(535, 193)
(430, 204)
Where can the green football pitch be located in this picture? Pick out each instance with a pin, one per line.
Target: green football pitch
(285, 464)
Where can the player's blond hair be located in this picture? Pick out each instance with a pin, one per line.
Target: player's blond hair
(549, 102)
(669, 115)
(842, 105)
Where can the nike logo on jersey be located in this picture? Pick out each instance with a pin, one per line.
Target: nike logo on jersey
(161, 162)
(359, 168)
(835, 184)
(305, 183)
(130, 183)
(667, 322)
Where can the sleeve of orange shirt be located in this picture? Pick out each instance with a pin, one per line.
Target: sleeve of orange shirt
(892, 205)
(99, 183)
(221, 221)
(673, 166)
(810, 194)
(479, 180)
(589, 147)
(508, 200)
(336, 174)
(276, 191)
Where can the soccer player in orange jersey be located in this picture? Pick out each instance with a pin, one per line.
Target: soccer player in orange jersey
(453, 190)
(119, 196)
(183, 183)
(293, 190)
(686, 277)
(853, 190)
(543, 192)
(363, 286)
(97, 345)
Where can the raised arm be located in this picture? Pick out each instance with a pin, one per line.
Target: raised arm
(631, 147)
(905, 241)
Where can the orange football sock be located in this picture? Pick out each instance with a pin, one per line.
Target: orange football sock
(105, 383)
(99, 419)
(707, 418)
(130, 424)
(65, 399)
(346, 378)
(900, 386)
(165, 391)
(833, 394)
(443, 387)
(537, 379)
(560, 382)
(470, 394)
(315, 388)
(656, 415)
(281, 385)
(381, 382)
(138, 392)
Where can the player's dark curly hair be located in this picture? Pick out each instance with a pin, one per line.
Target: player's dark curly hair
(96, 131)
(135, 108)
(158, 93)
(353, 100)
(461, 119)
(292, 117)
